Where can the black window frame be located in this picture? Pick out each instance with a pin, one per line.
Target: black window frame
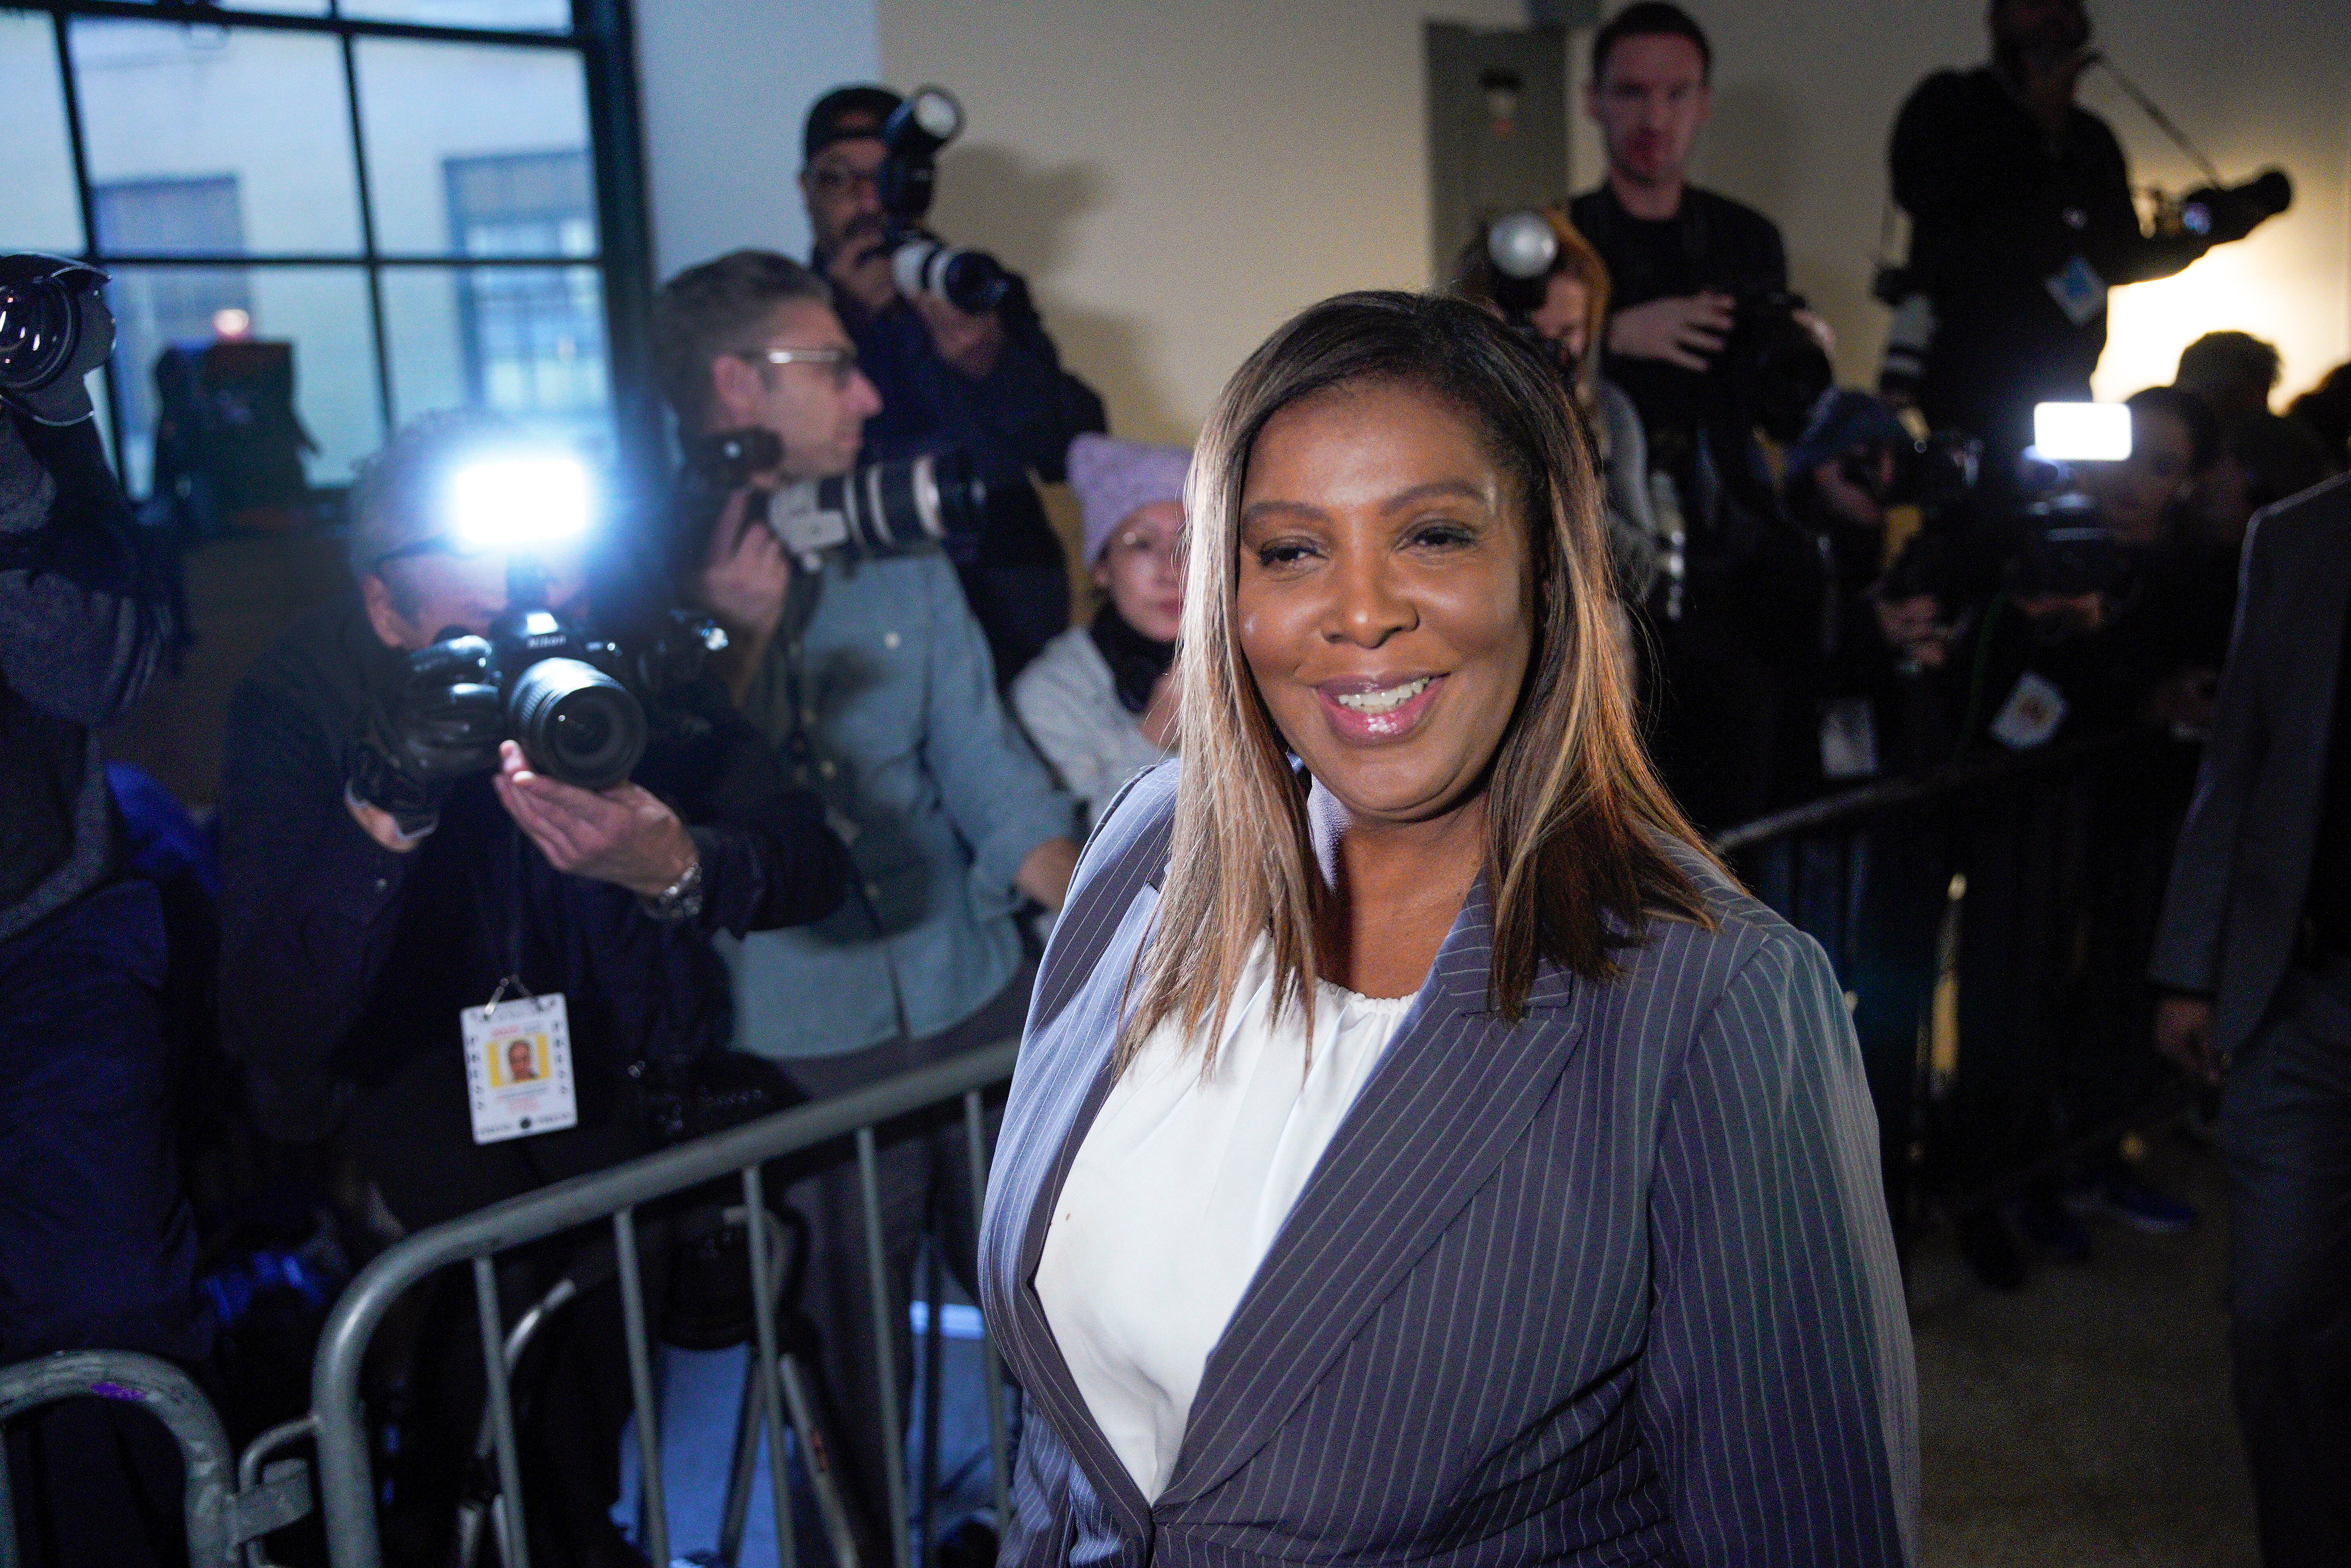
(602, 33)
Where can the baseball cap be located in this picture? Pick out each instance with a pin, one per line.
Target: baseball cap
(845, 114)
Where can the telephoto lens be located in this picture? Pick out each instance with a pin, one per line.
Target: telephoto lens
(881, 510)
(576, 722)
(971, 280)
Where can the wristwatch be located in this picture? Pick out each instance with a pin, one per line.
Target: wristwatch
(681, 900)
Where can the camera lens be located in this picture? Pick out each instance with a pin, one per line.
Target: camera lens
(576, 722)
(37, 335)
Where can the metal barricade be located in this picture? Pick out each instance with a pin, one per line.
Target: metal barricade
(230, 1506)
(227, 1507)
(346, 1486)
(1887, 875)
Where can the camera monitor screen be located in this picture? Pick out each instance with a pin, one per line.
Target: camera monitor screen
(2081, 431)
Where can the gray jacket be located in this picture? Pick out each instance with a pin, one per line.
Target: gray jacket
(885, 706)
(2242, 872)
(1611, 1284)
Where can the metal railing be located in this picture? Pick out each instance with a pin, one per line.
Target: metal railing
(1881, 875)
(227, 1514)
(227, 1505)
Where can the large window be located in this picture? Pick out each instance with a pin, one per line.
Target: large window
(436, 203)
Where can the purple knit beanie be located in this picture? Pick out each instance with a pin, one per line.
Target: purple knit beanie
(1113, 478)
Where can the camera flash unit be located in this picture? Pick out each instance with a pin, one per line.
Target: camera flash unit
(2081, 431)
(513, 502)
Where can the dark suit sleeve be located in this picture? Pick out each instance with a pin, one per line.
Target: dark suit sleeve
(310, 903)
(1778, 1396)
(1028, 400)
(85, 617)
(769, 858)
(2188, 942)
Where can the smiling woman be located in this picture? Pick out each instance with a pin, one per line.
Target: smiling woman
(1421, 1150)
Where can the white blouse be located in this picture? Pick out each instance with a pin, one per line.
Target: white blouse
(1175, 1196)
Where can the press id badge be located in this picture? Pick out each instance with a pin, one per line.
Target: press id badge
(2079, 291)
(518, 1068)
(2031, 715)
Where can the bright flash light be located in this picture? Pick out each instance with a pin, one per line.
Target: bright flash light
(2081, 431)
(518, 501)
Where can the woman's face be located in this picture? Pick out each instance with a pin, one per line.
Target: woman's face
(1562, 321)
(1385, 601)
(2134, 495)
(1137, 568)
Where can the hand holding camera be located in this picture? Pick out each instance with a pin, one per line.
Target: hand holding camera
(438, 720)
(623, 835)
(1684, 330)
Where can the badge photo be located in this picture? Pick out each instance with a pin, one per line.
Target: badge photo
(518, 1068)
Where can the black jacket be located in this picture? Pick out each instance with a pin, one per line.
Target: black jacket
(84, 627)
(344, 965)
(1995, 212)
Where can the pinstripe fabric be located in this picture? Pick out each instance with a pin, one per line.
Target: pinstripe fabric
(1610, 1285)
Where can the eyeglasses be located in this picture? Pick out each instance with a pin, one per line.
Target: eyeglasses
(1140, 547)
(842, 361)
(836, 182)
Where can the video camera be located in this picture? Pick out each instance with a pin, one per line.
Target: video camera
(2033, 531)
(922, 263)
(55, 329)
(879, 510)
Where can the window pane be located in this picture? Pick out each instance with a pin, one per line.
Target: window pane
(525, 340)
(515, 16)
(214, 359)
(476, 151)
(261, 115)
(41, 212)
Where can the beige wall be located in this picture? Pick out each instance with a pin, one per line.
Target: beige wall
(1179, 175)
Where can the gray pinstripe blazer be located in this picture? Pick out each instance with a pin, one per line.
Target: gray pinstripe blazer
(1610, 1285)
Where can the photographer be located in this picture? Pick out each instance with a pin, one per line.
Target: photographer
(989, 383)
(95, 1241)
(2021, 221)
(392, 861)
(1678, 259)
(871, 678)
(1710, 348)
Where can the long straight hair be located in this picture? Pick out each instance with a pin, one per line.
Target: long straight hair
(1576, 822)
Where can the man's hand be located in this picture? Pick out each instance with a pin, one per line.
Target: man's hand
(623, 835)
(1044, 874)
(744, 573)
(1846, 501)
(969, 343)
(1915, 625)
(2183, 1034)
(436, 721)
(1687, 330)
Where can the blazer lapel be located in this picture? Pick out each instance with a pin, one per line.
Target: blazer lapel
(1458, 1086)
(1071, 1054)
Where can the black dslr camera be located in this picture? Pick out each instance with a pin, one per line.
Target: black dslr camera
(1770, 370)
(55, 329)
(921, 262)
(881, 509)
